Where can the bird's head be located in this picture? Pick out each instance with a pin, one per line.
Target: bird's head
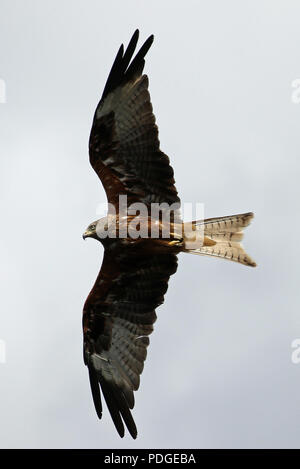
(97, 229)
(91, 232)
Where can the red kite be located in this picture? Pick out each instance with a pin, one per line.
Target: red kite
(119, 312)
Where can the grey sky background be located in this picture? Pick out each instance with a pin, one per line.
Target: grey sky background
(219, 370)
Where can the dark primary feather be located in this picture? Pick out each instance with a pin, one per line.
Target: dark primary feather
(124, 145)
(95, 391)
(118, 317)
(121, 62)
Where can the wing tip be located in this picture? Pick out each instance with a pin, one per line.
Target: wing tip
(124, 67)
(95, 391)
(151, 38)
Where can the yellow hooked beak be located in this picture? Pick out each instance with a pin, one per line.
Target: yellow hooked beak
(87, 234)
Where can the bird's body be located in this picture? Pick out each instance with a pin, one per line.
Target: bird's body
(141, 240)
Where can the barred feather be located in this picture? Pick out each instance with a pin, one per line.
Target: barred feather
(221, 238)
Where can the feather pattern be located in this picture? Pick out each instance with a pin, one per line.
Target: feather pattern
(118, 318)
(124, 145)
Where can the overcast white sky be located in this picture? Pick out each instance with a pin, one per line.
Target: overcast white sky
(219, 370)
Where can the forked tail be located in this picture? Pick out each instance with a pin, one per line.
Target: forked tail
(221, 238)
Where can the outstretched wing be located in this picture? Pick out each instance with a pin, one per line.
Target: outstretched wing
(124, 146)
(118, 317)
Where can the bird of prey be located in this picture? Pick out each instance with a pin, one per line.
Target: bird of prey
(119, 313)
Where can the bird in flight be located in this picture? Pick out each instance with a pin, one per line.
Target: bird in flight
(140, 249)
